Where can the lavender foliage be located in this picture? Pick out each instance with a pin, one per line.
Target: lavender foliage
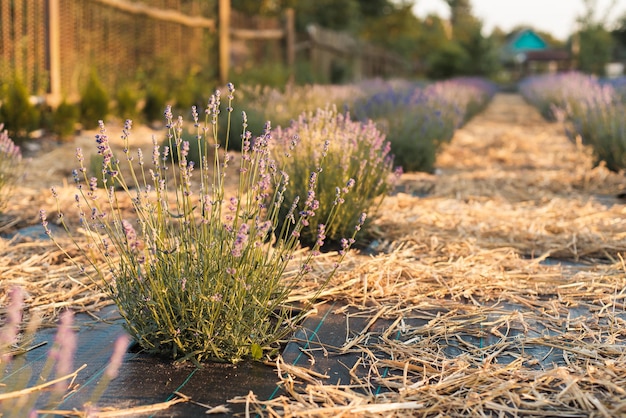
(198, 271)
(11, 167)
(590, 109)
(419, 119)
(343, 167)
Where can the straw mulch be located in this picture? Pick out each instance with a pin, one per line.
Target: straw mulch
(500, 293)
(495, 287)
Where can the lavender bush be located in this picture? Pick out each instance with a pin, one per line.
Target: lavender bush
(558, 91)
(418, 120)
(283, 106)
(10, 166)
(334, 160)
(198, 272)
(590, 109)
(19, 396)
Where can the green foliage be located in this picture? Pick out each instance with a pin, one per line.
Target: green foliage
(156, 100)
(188, 90)
(591, 111)
(64, 119)
(595, 42)
(11, 167)
(448, 61)
(198, 271)
(398, 30)
(94, 102)
(596, 45)
(332, 14)
(17, 114)
(357, 171)
(127, 101)
(271, 74)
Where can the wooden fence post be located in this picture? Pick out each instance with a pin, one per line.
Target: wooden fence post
(290, 42)
(224, 40)
(54, 53)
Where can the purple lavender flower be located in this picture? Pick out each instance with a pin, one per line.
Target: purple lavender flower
(44, 221)
(240, 240)
(131, 235)
(63, 349)
(104, 148)
(321, 235)
(121, 344)
(8, 334)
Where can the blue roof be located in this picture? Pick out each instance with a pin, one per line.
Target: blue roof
(527, 40)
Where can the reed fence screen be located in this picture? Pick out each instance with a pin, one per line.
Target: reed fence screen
(53, 46)
(121, 40)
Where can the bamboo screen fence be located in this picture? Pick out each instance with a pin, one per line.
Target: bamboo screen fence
(52, 46)
(120, 40)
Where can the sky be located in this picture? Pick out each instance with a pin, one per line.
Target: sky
(557, 17)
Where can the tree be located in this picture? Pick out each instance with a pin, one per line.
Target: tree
(479, 55)
(594, 41)
(397, 29)
(462, 20)
(619, 39)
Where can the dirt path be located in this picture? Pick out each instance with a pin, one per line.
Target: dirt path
(509, 151)
(509, 178)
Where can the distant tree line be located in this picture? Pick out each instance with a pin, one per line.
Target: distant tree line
(440, 48)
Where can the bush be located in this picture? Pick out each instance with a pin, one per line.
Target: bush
(270, 73)
(590, 110)
(10, 167)
(63, 120)
(335, 159)
(416, 123)
(17, 114)
(94, 102)
(418, 120)
(127, 100)
(282, 107)
(154, 106)
(604, 128)
(199, 273)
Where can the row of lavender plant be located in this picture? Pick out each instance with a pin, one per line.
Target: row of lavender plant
(591, 109)
(418, 119)
(199, 274)
(415, 117)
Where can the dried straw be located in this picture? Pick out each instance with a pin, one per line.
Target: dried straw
(500, 293)
(468, 313)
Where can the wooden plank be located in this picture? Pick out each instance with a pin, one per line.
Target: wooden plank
(290, 38)
(257, 34)
(159, 14)
(54, 52)
(224, 40)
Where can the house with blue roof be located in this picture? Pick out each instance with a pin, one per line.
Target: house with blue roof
(526, 52)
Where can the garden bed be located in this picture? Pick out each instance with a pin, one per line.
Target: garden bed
(496, 285)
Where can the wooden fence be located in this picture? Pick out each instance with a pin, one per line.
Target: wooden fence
(53, 45)
(339, 57)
